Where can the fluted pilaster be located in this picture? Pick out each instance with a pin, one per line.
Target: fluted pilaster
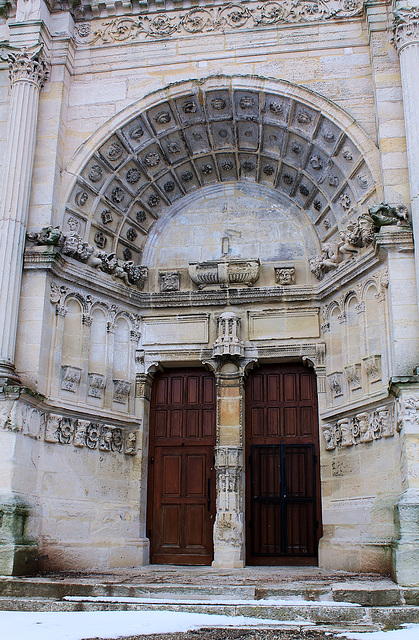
(406, 41)
(27, 72)
(405, 551)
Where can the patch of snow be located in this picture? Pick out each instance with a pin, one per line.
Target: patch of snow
(408, 632)
(79, 625)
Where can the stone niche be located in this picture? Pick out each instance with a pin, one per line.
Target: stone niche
(231, 236)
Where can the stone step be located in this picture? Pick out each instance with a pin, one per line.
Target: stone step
(324, 613)
(374, 594)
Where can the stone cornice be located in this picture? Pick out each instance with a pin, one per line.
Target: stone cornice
(406, 27)
(81, 275)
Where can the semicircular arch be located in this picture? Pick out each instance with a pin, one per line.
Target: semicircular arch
(177, 142)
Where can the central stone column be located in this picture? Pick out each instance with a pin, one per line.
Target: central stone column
(28, 73)
(230, 357)
(229, 529)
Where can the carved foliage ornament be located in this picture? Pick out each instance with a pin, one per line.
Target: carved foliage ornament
(74, 246)
(357, 235)
(27, 65)
(406, 27)
(230, 16)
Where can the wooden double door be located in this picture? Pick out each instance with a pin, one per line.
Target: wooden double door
(282, 476)
(181, 503)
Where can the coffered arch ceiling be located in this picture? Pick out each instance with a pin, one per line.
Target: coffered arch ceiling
(218, 134)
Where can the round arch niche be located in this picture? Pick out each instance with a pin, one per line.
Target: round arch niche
(230, 133)
(231, 221)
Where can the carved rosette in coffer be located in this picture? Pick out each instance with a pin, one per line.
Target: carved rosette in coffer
(224, 273)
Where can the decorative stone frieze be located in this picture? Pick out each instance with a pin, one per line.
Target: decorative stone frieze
(224, 272)
(70, 378)
(406, 27)
(284, 276)
(210, 19)
(92, 435)
(228, 341)
(365, 426)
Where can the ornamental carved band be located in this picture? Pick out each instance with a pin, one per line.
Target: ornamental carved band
(406, 27)
(28, 65)
(230, 16)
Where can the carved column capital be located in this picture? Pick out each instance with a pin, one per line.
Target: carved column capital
(406, 27)
(143, 384)
(28, 65)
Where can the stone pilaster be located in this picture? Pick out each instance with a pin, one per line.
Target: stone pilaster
(143, 384)
(406, 550)
(406, 547)
(28, 73)
(229, 530)
(406, 40)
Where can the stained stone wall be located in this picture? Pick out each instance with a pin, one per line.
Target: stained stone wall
(199, 162)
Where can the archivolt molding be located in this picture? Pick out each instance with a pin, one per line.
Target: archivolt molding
(220, 130)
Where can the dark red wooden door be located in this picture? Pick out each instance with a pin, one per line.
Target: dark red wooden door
(181, 473)
(283, 498)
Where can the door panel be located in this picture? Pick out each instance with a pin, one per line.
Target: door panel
(181, 474)
(283, 483)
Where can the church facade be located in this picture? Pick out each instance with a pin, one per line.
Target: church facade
(209, 312)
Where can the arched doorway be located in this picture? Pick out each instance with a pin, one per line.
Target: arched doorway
(283, 512)
(181, 487)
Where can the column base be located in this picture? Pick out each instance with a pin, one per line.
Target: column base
(225, 561)
(8, 375)
(18, 555)
(18, 559)
(406, 548)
